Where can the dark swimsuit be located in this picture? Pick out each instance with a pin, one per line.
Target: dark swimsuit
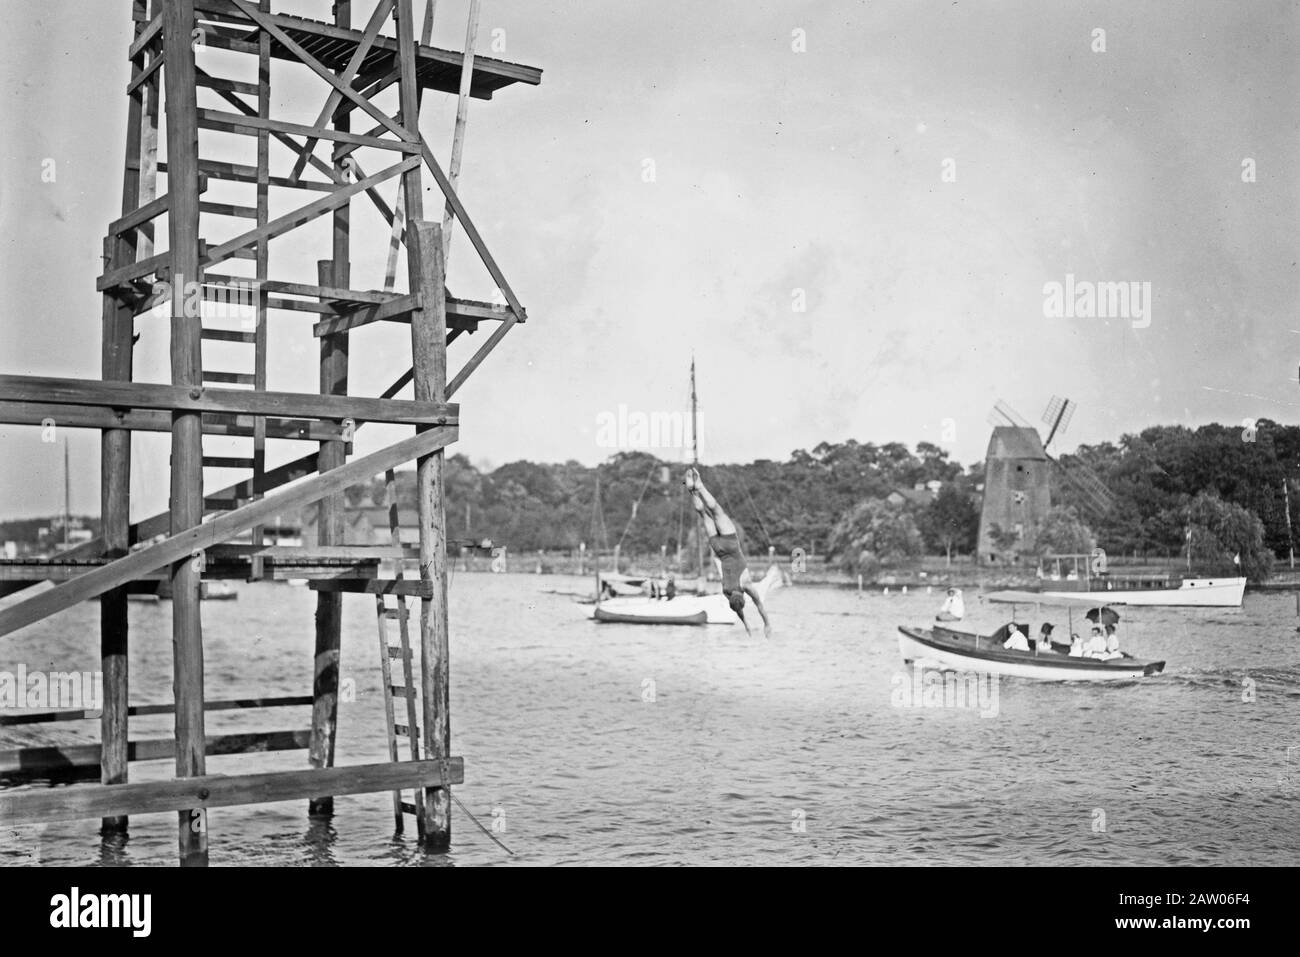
(727, 549)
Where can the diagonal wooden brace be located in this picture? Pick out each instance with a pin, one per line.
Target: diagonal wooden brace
(401, 132)
(382, 9)
(183, 545)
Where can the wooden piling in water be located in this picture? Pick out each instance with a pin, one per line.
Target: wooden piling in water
(115, 484)
(187, 427)
(118, 327)
(425, 259)
(330, 526)
(431, 386)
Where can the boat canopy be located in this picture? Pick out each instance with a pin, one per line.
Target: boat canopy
(1083, 600)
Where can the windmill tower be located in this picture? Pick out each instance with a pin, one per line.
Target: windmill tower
(1018, 473)
(1017, 488)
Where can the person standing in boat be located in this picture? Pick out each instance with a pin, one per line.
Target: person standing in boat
(725, 544)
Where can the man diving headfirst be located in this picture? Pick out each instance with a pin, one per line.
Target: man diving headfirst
(736, 580)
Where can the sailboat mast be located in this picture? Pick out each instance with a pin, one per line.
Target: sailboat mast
(695, 431)
(596, 537)
(1289, 540)
(695, 462)
(67, 491)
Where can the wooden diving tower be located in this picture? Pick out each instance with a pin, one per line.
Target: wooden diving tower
(212, 248)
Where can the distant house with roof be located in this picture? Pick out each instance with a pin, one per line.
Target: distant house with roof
(917, 497)
(366, 525)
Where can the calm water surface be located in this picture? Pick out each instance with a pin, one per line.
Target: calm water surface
(744, 742)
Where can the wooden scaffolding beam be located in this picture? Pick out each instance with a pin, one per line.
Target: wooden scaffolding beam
(330, 523)
(187, 428)
(181, 546)
(186, 794)
(198, 398)
(138, 188)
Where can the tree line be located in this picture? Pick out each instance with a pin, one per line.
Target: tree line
(1226, 490)
(636, 500)
(1226, 487)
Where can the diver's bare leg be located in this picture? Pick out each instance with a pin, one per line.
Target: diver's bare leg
(721, 519)
(710, 526)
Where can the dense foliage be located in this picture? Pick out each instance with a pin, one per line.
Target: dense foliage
(874, 535)
(1227, 483)
(951, 522)
(1228, 486)
(1064, 533)
(786, 505)
(1156, 475)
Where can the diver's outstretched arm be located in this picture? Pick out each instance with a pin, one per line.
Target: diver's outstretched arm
(746, 624)
(752, 591)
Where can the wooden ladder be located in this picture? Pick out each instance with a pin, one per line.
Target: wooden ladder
(254, 464)
(409, 689)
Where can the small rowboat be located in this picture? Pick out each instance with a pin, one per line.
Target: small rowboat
(646, 617)
(966, 651)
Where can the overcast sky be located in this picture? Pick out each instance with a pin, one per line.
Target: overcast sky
(798, 153)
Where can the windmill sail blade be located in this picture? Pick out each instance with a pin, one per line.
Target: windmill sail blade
(1002, 414)
(1093, 495)
(1057, 417)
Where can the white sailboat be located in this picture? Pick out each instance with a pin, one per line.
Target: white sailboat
(681, 609)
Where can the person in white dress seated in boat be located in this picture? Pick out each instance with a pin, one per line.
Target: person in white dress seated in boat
(1076, 646)
(954, 608)
(1044, 642)
(1112, 645)
(1016, 640)
(1060, 646)
(1096, 644)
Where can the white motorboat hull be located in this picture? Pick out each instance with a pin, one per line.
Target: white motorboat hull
(1192, 593)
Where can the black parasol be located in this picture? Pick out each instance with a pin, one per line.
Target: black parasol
(1106, 614)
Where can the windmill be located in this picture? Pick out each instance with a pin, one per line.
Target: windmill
(1093, 496)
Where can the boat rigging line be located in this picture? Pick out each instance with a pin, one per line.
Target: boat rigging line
(635, 505)
(722, 475)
